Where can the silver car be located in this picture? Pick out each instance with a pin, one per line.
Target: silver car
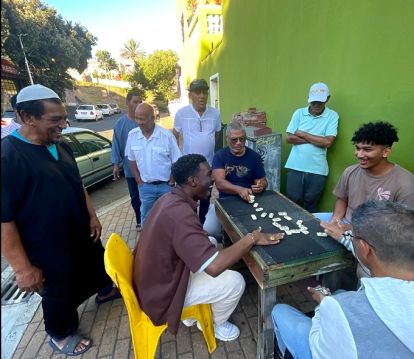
(92, 152)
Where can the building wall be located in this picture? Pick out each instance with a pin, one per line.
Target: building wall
(273, 50)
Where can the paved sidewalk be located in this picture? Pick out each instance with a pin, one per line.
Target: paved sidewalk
(108, 325)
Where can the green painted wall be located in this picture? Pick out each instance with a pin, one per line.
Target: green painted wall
(273, 50)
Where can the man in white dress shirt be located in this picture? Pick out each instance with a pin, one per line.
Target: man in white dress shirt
(200, 124)
(151, 151)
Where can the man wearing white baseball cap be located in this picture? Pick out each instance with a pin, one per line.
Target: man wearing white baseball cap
(311, 131)
(50, 233)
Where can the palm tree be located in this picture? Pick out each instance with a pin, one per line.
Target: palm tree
(130, 50)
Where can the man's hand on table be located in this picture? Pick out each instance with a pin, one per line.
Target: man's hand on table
(335, 228)
(265, 239)
(245, 193)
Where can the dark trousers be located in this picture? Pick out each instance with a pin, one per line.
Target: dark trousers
(305, 189)
(66, 289)
(203, 209)
(134, 194)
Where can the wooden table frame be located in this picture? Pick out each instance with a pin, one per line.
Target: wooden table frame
(269, 277)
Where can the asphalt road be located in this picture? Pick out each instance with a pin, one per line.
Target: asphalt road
(107, 123)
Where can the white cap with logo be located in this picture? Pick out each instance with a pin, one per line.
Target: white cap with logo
(35, 92)
(318, 92)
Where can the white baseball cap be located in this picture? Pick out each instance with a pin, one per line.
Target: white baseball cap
(318, 92)
(35, 92)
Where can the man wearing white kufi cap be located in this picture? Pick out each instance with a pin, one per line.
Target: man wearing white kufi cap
(50, 233)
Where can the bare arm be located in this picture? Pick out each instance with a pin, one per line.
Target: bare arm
(294, 140)
(94, 224)
(232, 254)
(320, 141)
(225, 186)
(28, 277)
(177, 136)
(339, 210)
(115, 172)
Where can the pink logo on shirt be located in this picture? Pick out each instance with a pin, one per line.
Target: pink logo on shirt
(383, 195)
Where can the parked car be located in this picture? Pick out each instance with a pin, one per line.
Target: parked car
(88, 112)
(106, 109)
(92, 152)
(116, 108)
(7, 117)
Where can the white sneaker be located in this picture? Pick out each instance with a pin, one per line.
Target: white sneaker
(189, 322)
(225, 332)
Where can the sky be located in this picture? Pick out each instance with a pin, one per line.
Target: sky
(152, 23)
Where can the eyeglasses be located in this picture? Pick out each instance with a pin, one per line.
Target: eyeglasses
(237, 139)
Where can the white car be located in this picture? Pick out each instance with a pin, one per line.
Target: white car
(115, 107)
(88, 112)
(106, 109)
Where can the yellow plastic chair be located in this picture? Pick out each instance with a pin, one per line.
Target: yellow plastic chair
(145, 335)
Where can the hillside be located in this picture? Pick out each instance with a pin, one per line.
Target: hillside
(88, 93)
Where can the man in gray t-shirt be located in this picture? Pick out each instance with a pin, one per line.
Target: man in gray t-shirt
(373, 178)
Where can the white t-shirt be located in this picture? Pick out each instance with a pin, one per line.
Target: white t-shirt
(198, 131)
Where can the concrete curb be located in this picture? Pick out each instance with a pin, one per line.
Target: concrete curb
(105, 209)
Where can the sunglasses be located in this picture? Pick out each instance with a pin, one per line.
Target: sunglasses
(237, 139)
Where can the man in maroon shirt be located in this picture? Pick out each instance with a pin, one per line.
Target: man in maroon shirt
(176, 265)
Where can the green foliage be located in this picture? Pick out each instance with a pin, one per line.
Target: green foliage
(105, 61)
(5, 31)
(156, 74)
(131, 51)
(52, 44)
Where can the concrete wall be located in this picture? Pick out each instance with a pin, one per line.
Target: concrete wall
(273, 50)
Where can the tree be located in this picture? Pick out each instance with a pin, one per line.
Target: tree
(157, 74)
(105, 61)
(5, 31)
(131, 51)
(52, 44)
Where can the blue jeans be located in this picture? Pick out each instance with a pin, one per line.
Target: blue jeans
(292, 329)
(134, 194)
(149, 193)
